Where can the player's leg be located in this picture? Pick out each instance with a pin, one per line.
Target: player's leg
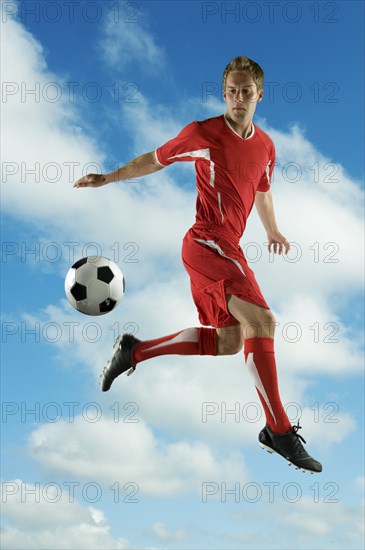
(255, 321)
(129, 350)
(192, 341)
(258, 327)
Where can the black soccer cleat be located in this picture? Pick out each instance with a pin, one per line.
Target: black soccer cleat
(289, 446)
(121, 360)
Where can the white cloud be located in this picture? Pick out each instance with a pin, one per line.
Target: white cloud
(318, 519)
(323, 220)
(40, 516)
(337, 521)
(314, 340)
(126, 42)
(96, 451)
(43, 134)
(40, 132)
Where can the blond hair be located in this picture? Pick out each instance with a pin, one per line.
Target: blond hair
(242, 63)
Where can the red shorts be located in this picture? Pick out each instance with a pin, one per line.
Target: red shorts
(217, 266)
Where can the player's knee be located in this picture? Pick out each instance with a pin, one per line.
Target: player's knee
(268, 323)
(268, 317)
(262, 326)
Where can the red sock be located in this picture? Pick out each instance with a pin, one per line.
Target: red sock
(191, 341)
(260, 361)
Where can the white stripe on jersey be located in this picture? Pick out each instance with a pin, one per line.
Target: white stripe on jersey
(203, 154)
(199, 154)
(267, 170)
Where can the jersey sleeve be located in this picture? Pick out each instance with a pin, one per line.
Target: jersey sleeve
(184, 147)
(266, 179)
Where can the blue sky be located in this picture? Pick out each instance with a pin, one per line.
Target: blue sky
(111, 82)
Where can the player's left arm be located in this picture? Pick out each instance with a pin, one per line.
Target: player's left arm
(265, 208)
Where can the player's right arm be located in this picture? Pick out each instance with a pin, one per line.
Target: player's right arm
(140, 166)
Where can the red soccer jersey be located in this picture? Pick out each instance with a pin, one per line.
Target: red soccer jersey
(229, 169)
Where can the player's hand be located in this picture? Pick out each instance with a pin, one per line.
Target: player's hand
(91, 180)
(278, 243)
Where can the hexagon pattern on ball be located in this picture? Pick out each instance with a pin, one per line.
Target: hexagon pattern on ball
(94, 285)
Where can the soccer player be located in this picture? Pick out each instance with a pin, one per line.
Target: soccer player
(234, 161)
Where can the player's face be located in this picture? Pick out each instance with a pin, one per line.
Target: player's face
(241, 96)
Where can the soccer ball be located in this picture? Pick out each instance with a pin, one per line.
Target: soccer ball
(94, 285)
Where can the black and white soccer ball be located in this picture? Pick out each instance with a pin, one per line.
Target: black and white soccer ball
(94, 285)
